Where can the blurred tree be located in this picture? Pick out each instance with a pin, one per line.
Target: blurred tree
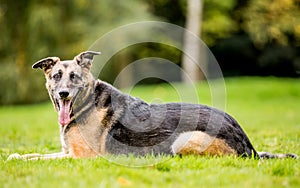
(192, 61)
(269, 21)
(218, 22)
(216, 19)
(273, 28)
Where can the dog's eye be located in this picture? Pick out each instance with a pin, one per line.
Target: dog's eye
(57, 76)
(72, 76)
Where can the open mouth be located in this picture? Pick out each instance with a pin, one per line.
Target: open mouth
(65, 109)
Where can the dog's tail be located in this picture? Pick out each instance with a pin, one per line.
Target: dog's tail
(267, 155)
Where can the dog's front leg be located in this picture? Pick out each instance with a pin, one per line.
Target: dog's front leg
(24, 157)
(59, 155)
(37, 156)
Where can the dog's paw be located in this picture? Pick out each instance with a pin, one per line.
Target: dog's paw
(14, 156)
(31, 156)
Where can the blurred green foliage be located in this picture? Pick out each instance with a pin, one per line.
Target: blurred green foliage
(272, 20)
(217, 20)
(252, 37)
(33, 29)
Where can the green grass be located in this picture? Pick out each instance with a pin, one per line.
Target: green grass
(267, 108)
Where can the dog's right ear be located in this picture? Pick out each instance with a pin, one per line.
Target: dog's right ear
(46, 64)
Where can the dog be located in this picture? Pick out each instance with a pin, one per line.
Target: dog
(96, 119)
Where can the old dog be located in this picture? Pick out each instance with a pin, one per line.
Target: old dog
(97, 119)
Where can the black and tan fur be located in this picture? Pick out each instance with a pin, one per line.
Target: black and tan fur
(97, 119)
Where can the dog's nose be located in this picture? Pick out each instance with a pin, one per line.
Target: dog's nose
(63, 94)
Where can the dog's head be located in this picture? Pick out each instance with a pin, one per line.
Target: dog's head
(66, 80)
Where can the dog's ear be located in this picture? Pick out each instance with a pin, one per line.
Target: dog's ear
(46, 64)
(85, 59)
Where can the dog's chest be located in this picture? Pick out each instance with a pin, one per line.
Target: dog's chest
(86, 137)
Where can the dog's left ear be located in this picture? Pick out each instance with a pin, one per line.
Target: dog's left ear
(85, 59)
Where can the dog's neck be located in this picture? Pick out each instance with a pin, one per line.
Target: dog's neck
(85, 100)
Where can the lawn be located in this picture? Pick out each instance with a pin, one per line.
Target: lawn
(267, 108)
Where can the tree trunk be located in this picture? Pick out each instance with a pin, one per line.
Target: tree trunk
(191, 60)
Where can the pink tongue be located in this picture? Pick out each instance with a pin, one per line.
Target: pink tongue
(64, 112)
